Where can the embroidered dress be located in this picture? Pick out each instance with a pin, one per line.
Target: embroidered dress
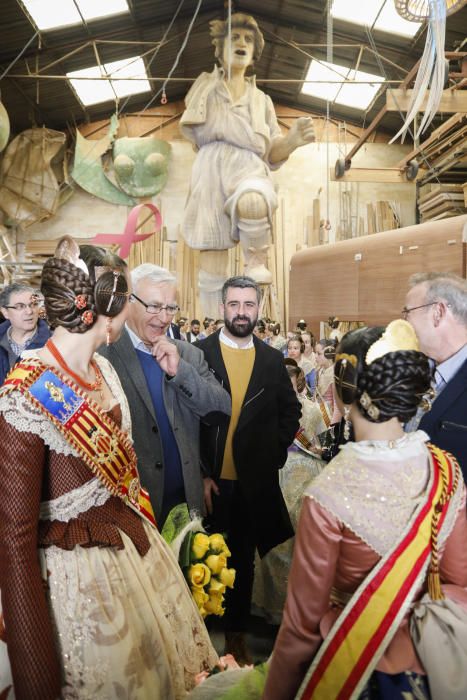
(354, 513)
(233, 140)
(95, 605)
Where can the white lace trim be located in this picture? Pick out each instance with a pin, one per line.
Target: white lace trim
(79, 500)
(25, 418)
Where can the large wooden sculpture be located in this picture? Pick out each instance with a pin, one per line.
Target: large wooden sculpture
(233, 126)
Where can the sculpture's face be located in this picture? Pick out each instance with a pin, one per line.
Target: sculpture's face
(141, 164)
(241, 49)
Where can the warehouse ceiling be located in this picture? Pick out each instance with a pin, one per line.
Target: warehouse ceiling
(34, 64)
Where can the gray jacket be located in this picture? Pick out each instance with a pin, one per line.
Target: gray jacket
(191, 395)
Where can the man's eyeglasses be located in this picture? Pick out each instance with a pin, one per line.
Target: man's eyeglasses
(170, 309)
(406, 311)
(22, 307)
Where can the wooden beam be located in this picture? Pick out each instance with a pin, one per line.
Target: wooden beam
(451, 101)
(392, 175)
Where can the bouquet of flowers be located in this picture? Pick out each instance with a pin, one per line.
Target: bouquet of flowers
(203, 560)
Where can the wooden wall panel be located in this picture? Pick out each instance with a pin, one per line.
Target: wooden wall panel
(366, 279)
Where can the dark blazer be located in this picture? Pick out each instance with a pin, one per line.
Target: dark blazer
(173, 331)
(446, 422)
(193, 394)
(40, 339)
(267, 425)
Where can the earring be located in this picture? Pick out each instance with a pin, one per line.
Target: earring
(108, 328)
(347, 423)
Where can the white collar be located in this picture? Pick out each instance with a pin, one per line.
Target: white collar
(232, 344)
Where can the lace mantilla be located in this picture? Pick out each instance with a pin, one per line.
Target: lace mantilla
(374, 493)
(71, 504)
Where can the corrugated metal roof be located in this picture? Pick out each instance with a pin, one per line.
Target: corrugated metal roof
(51, 101)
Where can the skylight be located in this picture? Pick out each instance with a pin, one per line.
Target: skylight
(365, 12)
(92, 92)
(51, 14)
(358, 95)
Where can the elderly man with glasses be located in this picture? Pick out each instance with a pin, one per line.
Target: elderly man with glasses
(22, 328)
(436, 307)
(170, 389)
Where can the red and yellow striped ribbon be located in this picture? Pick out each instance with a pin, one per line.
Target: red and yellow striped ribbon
(369, 621)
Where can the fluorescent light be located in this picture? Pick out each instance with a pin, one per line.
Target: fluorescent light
(359, 95)
(365, 12)
(51, 14)
(92, 92)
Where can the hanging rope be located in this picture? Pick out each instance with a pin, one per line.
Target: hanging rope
(177, 58)
(229, 39)
(329, 57)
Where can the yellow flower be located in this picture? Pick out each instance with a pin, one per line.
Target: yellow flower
(204, 613)
(199, 575)
(216, 562)
(227, 577)
(214, 605)
(216, 586)
(217, 543)
(200, 545)
(200, 597)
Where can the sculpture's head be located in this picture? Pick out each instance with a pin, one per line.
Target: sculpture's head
(140, 165)
(247, 41)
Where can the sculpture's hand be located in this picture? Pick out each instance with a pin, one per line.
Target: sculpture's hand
(301, 133)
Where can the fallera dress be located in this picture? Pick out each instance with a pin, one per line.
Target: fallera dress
(94, 602)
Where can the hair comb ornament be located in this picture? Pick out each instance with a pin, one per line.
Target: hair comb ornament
(399, 335)
(366, 402)
(341, 356)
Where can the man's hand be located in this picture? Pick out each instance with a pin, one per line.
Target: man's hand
(209, 486)
(166, 354)
(301, 133)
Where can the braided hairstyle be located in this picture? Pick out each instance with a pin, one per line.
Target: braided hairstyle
(293, 370)
(394, 383)
(74, 299)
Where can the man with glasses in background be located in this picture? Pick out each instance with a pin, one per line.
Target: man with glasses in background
(169, 389)
(22, 329)
(436, 307)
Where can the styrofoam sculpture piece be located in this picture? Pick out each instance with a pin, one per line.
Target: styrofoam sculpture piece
(29, 189)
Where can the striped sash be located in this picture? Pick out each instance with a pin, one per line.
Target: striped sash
(365, 628)
(102, 445)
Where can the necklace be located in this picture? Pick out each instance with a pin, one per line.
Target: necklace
(89, 386)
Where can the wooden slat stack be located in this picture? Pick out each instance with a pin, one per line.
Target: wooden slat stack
(440, 201)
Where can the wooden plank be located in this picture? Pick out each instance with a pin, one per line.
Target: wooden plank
(390, 175)
(443, 129)
(436, 189)
(454, 197)
(451, 101)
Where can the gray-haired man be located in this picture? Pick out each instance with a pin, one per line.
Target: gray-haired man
(169, 388)
(22, 328)
(436, 307)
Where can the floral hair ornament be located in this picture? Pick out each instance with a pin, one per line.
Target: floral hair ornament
(399, 335)
(87, 318)
(81, 301)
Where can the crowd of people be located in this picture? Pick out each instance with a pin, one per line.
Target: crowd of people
(109, 421)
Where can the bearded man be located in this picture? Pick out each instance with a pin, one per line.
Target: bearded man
(242, 456)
